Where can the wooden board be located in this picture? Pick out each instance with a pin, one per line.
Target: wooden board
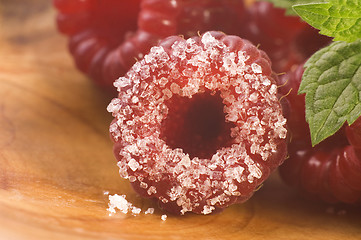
(56, 158)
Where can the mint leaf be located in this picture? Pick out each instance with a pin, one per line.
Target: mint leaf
(340, 19)
(332, 83)
(287, 4)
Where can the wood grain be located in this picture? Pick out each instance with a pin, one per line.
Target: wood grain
(56, 158)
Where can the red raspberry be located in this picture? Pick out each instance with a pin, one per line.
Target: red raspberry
(270, 25)
(106, 37)
(331, 173)
(290, 83)
(97, 29)
(353, 133)
(287, 40)
(332, 169)
(198, 125)
(188, 17)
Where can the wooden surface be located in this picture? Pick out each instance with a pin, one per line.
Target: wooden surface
(56, 158)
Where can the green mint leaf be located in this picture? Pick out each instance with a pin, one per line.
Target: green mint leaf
(332, 83)
(340, 19)
(287, 4)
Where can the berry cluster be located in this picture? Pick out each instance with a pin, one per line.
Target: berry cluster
(331, 170)
(106, 38)
(198, 124)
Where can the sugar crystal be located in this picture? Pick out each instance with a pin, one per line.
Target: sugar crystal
(149, 211)
(152, 190)
(136, 210)
(118, 202)
(256, 68)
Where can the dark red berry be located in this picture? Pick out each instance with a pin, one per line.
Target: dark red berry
(287, 40)
(107, 37)
(190, 17)
(198, 125)
(353, 133)
(270, 26)
(97, 29)
(331, 170)
(289, 85)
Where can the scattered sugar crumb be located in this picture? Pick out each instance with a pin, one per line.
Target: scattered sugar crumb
(106, 192)
(136, 210)
(164, 217)
(149, 211)
(119, 202)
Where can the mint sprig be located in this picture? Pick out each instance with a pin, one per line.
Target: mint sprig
(340, 19)
(332, 83)
(332, 77)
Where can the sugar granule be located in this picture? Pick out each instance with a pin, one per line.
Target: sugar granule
(149, 211)
(123, 205)
(118, 202)
(163, 217)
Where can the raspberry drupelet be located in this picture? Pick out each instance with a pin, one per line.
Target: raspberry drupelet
(197, 123)
(106, 37)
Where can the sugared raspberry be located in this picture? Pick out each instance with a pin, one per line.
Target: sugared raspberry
(106, 37)
(198, 125)
(331, 170)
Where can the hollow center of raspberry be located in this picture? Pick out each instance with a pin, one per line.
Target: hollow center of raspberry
(197, 125)
(115, 19)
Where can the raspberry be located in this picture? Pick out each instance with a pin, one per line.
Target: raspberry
(198, 125)
(287, 40)
(188, 17)
(353, 133)
(270, 25)
(107, 37)
(330, 173)
(331, 170)
(96, 30)
(290, 83)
